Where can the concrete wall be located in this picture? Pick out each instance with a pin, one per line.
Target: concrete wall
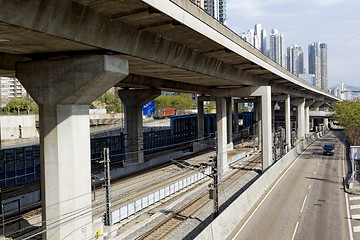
(9, 127)
(224, 224)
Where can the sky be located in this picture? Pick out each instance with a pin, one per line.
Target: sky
(334, 22)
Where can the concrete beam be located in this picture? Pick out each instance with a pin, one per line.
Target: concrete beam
(279, 98)
(317, 104)
(63, 89)
(206, 98)
(238, 92)
(164, 84)
(309, 102)
(297, 101)
(88, 85)
(237, 100)
(8, 61)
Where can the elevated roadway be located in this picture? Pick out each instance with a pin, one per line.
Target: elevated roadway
(66, 53)
(308, 201)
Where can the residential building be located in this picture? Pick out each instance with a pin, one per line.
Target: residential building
(256, 37)
(318, 63)
(310, 78)
(216, 8)
(10, 88)
(277, 49)
(340, 91)
(200, 3)
(295, 59)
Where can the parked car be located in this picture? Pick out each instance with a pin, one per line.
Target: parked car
(328, 149)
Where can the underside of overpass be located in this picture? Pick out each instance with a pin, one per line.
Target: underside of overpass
(164, 51)
(68, 52)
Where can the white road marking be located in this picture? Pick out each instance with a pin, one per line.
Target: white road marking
(293, 237)
(354, 198)
(346, 199)
(247, 220)
(309, 187)
(302, 208)
(356, 229)
(355, 207)
(355, 217)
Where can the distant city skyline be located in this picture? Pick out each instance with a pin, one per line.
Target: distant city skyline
(305, 22)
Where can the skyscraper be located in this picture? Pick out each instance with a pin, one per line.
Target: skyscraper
(256, 37)
(295, 59)
(318, 63)
(277, 51)
(323, 64)
(216, 8)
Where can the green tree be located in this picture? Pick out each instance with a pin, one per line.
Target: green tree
(347, 113)
(210, 106)
(110, 101)
(180, 102)
(25, 104)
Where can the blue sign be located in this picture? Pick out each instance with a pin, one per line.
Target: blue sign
(149, 108)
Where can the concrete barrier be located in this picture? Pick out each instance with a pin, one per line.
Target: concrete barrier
(225, 223)
(17, 126)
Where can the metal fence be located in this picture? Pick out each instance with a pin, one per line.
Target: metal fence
(137, 205)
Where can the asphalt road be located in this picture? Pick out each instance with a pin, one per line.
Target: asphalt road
(308, 202)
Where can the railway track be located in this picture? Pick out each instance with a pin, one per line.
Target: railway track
(179, 217)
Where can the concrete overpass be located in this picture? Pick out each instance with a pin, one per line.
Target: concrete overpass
(67, 53)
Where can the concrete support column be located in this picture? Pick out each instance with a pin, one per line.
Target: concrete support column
(308, 103)
(200, 119)
(229, 123)
(273, 116)
(63, 89)
(133, 101)
(259, 122)
(236, 117)
(288, 122)
(267, 143)
(300, 116)
(221, 123)
(263, 107)
(301, 120)
(307, 121)
(326, 123)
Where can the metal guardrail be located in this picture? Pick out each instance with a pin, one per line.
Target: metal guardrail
(137, 205)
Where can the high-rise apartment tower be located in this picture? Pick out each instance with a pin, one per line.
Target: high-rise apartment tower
(318, 63)
(216, 8)
(256, 37)
(295, 59)
(277, 49)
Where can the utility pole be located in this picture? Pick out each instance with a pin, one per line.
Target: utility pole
(107, 184)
